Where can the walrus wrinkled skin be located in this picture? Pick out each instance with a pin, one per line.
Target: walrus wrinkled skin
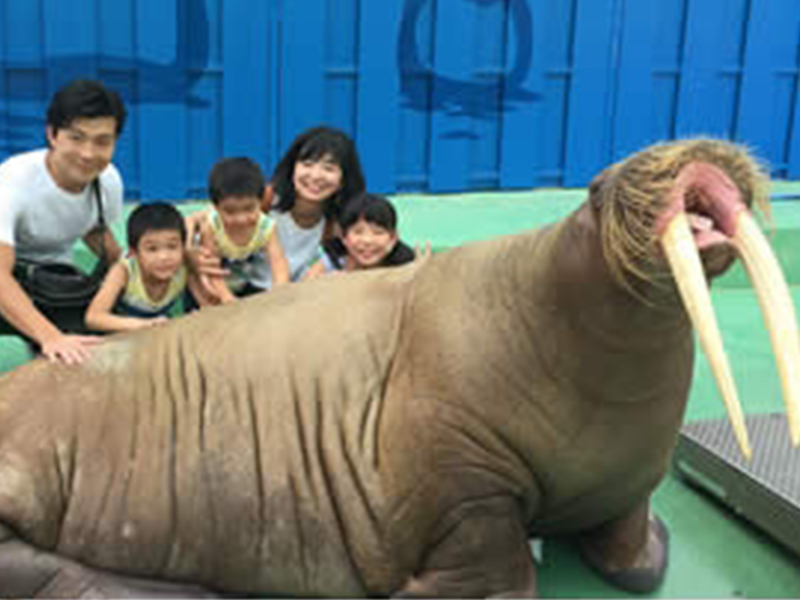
(394, 432)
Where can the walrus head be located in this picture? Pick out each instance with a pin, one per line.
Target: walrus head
(683, 210)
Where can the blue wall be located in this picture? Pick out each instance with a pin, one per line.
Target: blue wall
(441, 95)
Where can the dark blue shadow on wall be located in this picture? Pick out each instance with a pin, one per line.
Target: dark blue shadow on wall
(484, 96)
(140, 81)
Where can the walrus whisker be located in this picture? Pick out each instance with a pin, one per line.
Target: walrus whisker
(778, 310)
(684, 261)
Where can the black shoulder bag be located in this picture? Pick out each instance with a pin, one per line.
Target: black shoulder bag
(63, 285)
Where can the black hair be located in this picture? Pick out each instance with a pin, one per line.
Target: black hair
(237, 177)
(314, 144)
(378, 211)
(85, 99)
(155, 216)
(401, 254)
(370, 207)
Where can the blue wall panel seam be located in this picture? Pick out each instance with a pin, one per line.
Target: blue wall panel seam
(572, 41)
(679, 81)
(792, 159)
(617, 30)
(428, 160)
(358, 66)
(501, 91)
(745, 34)
(43, 40)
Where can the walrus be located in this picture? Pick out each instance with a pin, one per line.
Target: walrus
(398, 432)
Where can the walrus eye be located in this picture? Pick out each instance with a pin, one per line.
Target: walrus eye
(734, 222)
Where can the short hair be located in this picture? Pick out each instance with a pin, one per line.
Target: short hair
(154, 216)
(314, 144)
(237, 177)
(372, 208)
(85, 99)
(378, 211)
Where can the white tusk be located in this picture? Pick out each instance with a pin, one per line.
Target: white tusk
(778, 310)
(684, 260)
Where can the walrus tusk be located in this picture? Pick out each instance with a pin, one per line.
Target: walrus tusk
(778, 309)
(684, 261)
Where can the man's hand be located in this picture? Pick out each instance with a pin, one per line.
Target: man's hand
(102, 243)
(70, 349)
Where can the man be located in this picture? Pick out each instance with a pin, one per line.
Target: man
(47, 203)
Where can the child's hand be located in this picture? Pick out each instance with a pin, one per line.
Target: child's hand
(205, 262)
(424, 253)
(154, 322)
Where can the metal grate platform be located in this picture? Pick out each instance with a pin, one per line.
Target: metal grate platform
(765, 491)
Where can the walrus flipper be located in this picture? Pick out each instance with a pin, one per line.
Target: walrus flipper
(485, 554)
(631, 552)
(26, 572)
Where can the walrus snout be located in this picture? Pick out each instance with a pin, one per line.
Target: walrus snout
(705, 211)
(690, 202)
(711, 201)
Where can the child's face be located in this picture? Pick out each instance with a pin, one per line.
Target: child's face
(160, 253)
(316, 180)
(368, 244)
(239, 214)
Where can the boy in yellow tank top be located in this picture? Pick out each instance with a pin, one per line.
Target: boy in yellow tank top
(235, 230)
(145, 288)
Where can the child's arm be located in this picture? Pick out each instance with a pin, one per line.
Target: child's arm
(214, 284)
(277, 260)
(315, 270)
(200, 261)
(99, 315)
(199, 292)
(192, 223)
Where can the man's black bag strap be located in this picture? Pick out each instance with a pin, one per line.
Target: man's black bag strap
(101, 220)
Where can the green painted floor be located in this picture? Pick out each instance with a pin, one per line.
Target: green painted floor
(714, 554)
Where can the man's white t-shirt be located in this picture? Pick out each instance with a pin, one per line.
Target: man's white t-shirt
(42, 221)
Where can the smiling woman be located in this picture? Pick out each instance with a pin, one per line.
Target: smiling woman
(314, 181)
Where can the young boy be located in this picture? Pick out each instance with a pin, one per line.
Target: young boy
(142, 290)
(368, 239)
(238, 232)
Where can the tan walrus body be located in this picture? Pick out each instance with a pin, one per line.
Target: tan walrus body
(392, 431)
